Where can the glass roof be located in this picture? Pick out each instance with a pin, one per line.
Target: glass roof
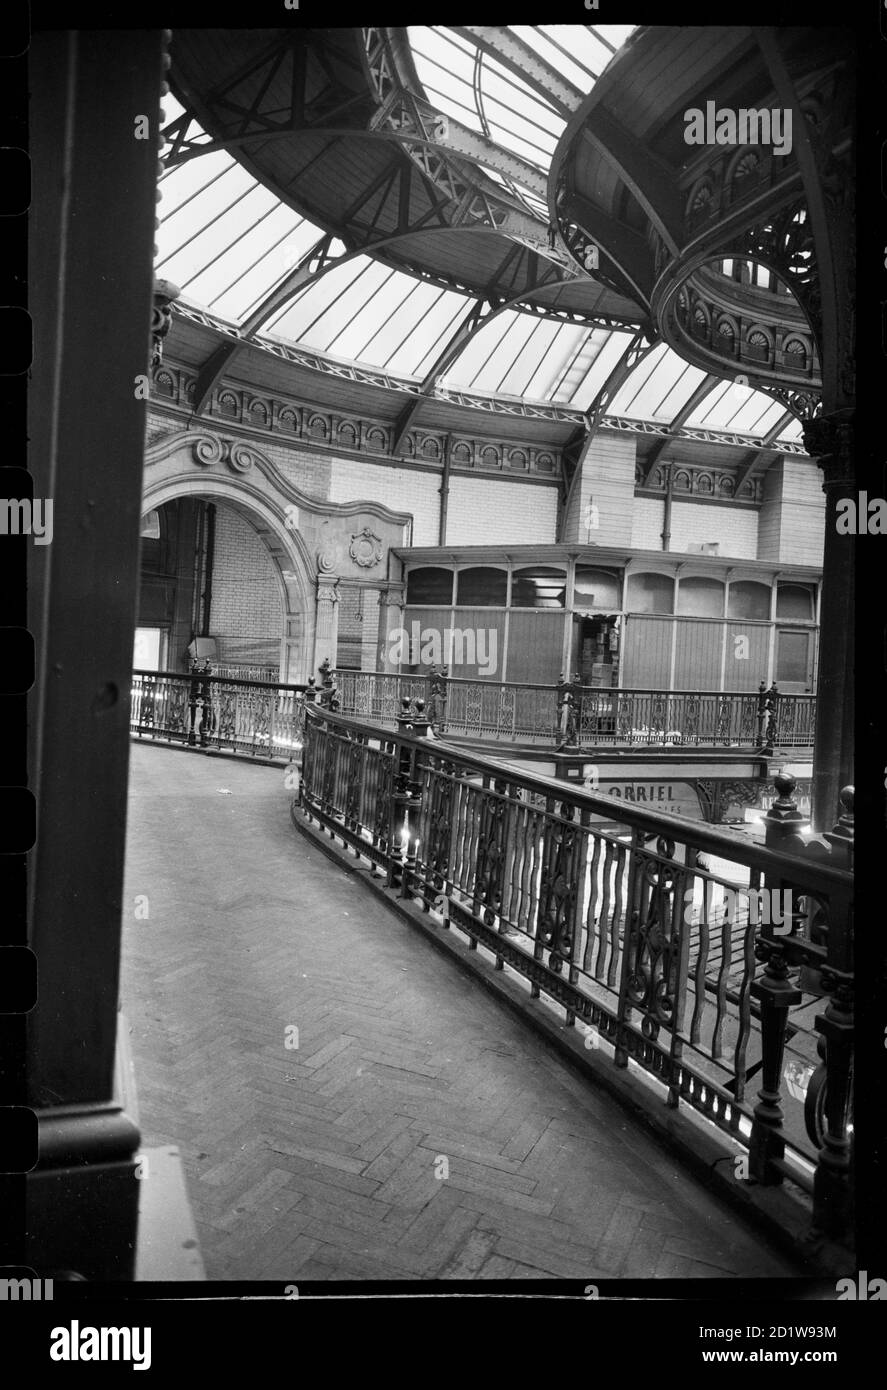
(227, 242)
(476, 89)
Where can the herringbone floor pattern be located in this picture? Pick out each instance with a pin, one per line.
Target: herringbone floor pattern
(322, 1161)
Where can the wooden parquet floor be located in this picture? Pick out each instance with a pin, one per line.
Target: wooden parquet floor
(419, 1130)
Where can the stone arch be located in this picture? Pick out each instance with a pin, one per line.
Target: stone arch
(295, 526)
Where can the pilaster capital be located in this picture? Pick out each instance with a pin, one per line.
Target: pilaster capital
(327, 588)
(830, 439)
(392, 593)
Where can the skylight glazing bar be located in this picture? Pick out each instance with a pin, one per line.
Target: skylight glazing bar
(397, 308)
(577, 62)
(191, 196)
(522, 348)
(599, 347)
(645, 371)
(310, 286)
(572, 359)
(368, 299)
(596, 34)
(503, 334)
(205, 266)
(768, 408)
(715, 400)
(250, 268)
(537, 367)
(274, 284)
(206, 225)
(434, 351)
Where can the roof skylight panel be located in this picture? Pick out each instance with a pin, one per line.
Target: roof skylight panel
(791, 432)
(687, 379)
(195, 259)
(337, 322)
(538, 363)
(715, 410)
(311, 303)
(749, 415)
(635, 394)
(429, 334)
(599, 368)
(246, 264)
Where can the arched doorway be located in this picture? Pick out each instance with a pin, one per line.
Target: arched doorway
(248, 576)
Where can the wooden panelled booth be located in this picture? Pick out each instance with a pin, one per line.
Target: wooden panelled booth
(640, 619)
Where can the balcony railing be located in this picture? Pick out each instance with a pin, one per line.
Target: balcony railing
(534, 714)
(251, 718)
(722, 968)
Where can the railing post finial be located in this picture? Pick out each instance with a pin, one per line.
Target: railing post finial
(783, 820)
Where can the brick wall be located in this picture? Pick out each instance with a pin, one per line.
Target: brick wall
(735, 528)
(246, 615)
(358, 630)
(402, 489)
(646, 523)
(485, 511)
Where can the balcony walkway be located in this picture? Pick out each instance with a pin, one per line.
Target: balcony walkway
(319, 1163)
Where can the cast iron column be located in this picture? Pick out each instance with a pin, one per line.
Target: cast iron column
(829, 439)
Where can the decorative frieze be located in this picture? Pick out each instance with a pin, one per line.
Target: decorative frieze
(695, 480)
(329, 429)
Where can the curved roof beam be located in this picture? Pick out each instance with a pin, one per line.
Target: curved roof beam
(652, 182)
(524, 62)
(482, 314)
(316, 263)
(627, 249)
(705, 388)
(436, 130)
(582, 438)
(830, 237)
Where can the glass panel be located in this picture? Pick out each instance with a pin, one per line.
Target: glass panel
(650, 593)
(748, 600)
(538, 587)
(792, 651)
(481, 587)
(598, 589)
(795, 602)
(425, 586)
(701, 598)
(148, 649)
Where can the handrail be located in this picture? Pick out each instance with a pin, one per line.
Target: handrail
(575, 716)
(221, 680)
(723, 841)
(684, 946)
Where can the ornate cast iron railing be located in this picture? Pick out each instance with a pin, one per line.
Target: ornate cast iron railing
(722, 967)
(498, 710)
(251, 718)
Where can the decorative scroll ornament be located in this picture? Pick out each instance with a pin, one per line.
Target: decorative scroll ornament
(239, 457)
(366, 548)
(326, 562)
(208, 449)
